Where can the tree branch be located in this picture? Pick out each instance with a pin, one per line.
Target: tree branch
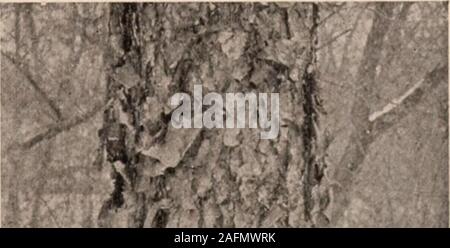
(345, 59)
(393, 112)
(334, 12)
(58, 128)
(20, 66)
(334, 39)
(361, 138)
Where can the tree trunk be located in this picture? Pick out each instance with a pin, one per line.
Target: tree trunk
(166, 177)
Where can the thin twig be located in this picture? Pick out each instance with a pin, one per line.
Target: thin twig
(58, 128)
(334, 39)
(336, 11)
(20, 66)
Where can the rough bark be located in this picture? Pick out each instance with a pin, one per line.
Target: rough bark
(166, 177)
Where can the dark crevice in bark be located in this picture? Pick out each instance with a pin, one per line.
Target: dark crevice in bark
(118, 139)
(131, 45)
(313, 165)
(161, 218)
(117, 199)
(162, 215)
(180, 76)
(286, 24)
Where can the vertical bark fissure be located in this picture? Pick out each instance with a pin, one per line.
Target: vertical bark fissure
(315, 186)
(119, 135)
(313, 164)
